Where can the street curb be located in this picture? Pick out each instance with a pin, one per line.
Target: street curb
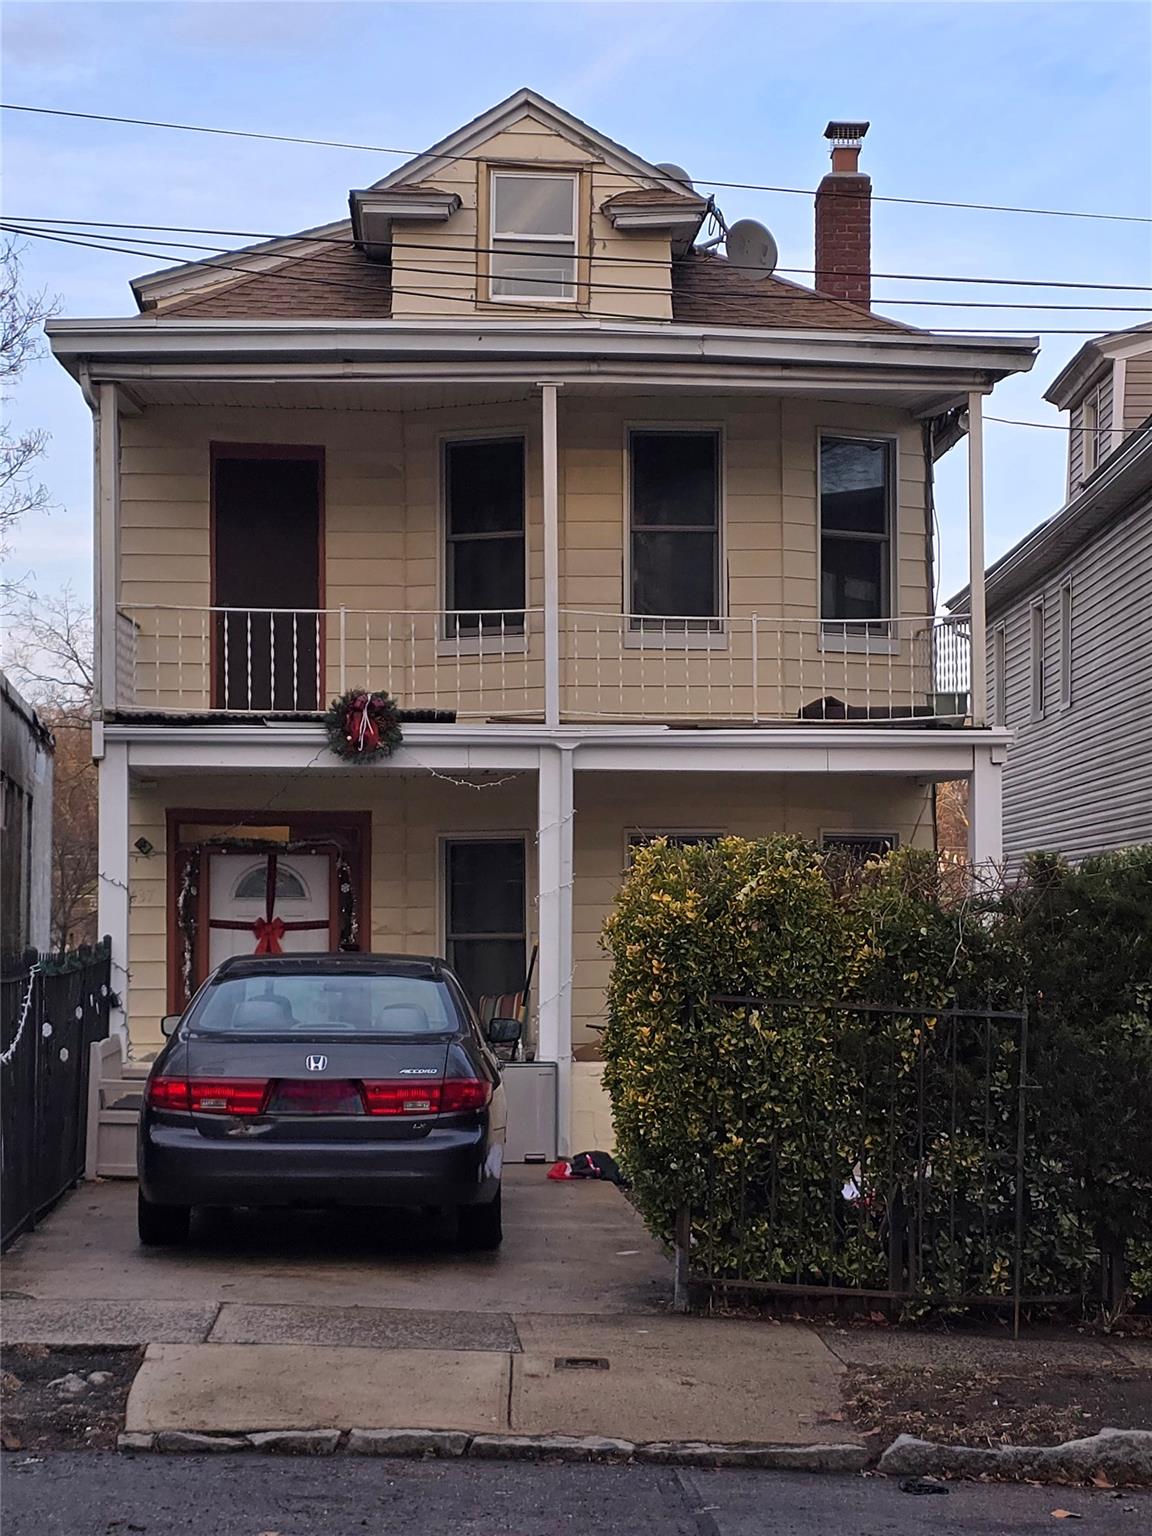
(489, 1447)
(1123, 1456)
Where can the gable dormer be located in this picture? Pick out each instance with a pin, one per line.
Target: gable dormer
(527, 211)
(1107, 392)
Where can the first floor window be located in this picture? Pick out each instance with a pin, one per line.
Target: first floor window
(484, 529)
(675, 528)
(855, 529)
(860, 846)
(673, 839)
(486, 938)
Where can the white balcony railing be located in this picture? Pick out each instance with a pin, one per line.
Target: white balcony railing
(613, 666)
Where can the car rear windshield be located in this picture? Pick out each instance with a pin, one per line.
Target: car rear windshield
(333, 1004)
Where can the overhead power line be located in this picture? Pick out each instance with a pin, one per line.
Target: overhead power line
(601, 256)
(99, 226)
(381, 149)
(729, 297)
(215, 263)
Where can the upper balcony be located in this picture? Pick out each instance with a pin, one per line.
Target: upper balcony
(612, 667)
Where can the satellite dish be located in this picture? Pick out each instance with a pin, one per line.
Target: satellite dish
(750, 246)
(675, 173)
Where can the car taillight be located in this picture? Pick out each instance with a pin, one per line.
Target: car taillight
(415, 1098)
(169, 1093)
(209, 1096)
(460, 1093)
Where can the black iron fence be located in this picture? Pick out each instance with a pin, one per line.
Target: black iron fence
(893, 1168)
(52, 1009)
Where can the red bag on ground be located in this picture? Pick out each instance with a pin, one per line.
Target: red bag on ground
(560, 1170)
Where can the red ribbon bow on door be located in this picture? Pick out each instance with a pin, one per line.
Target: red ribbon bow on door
(269, 931)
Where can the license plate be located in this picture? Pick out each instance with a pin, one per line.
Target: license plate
(334, 1097)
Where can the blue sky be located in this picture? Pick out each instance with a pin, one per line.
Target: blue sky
(1040, 104)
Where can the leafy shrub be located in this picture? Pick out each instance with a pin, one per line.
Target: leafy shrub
(801, 1134)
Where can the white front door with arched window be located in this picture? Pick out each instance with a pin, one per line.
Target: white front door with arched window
(268, 903)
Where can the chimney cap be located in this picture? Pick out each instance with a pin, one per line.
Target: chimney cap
(846, 133)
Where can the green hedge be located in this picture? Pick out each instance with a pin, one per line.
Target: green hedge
(753, 1119)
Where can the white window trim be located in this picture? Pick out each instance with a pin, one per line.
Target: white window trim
(1038, 680)
(1000, 675)
(494, 239)
(512, 835)
(633, 834)
(716, 638)
(887, 642)
(1066, 613)
(1090, 435)
(473, 645)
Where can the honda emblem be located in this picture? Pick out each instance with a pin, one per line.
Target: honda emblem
(316, 1063)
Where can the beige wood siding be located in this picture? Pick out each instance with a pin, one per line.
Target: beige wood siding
(435, 270)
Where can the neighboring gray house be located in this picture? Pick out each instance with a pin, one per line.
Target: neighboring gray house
(1070, 623)
(26, 760)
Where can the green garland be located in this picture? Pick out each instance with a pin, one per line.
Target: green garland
(362, 725)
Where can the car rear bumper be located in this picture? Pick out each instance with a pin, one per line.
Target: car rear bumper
(450, 1166)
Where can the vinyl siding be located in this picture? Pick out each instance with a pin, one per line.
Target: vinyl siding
(1079, 780)
(1079, 464)
(1137, 391)
(411, 814)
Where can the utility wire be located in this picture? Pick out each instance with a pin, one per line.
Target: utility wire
(449, 254)
(215, 264)
(96, 225)
(423, 154)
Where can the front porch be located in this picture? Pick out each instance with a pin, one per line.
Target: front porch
(543, 820)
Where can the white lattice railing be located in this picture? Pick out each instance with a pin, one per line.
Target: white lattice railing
(613, 667)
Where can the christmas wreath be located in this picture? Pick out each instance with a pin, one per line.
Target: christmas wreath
(362, 725)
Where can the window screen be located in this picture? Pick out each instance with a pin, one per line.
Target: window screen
(484, 515)
(484, 914)
(855, 529)
(675, 527)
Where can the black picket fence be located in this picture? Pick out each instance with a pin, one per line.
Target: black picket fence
(898, 1173)
(53, 1007)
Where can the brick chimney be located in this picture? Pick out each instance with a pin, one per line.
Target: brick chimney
(844, 219)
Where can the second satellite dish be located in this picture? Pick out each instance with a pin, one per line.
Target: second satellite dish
(750, 246)
(675, 173)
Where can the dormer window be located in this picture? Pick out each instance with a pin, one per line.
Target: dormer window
(533, 236)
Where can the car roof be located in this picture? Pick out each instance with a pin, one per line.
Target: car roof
(430, 967)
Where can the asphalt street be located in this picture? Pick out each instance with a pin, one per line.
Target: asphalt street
(105, 1494)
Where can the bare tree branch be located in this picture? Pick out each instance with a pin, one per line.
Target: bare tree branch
(48, 649)
(22, 318)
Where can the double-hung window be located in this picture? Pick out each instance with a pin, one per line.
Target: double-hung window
(484, 911)
(675, 530)
(484, 531)
(533, 225)
(856, 484)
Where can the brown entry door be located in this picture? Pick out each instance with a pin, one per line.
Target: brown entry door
(266, 554)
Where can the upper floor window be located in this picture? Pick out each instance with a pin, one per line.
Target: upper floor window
(484, 533)
(1090, 428)
(533, 227)
(999, 676)
(675, 527)
(1036, 638)
(1066, 645)
(856, 481)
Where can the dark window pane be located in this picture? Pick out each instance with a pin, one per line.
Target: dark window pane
(486, 887)
(485, 487)
(487, 967)
(854, 479)
(674, 574)
(674, 479)
(486, 573)
(853, 578)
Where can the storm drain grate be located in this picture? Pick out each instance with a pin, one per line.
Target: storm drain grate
(580, 1363)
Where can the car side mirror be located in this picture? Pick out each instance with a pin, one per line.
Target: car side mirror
(170, 1023)
(503, 1031)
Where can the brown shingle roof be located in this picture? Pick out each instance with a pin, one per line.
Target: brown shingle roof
(708, 290)
(652, 197)
(327, 282)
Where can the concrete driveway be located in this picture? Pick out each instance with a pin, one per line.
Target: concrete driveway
(575, 1247)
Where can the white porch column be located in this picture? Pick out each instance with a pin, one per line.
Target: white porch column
(555, 812)
(550, 458)
(986, 810)
(106, 428)
(112, 890)
(979, 621)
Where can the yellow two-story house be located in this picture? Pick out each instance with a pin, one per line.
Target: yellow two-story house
(637, 534)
